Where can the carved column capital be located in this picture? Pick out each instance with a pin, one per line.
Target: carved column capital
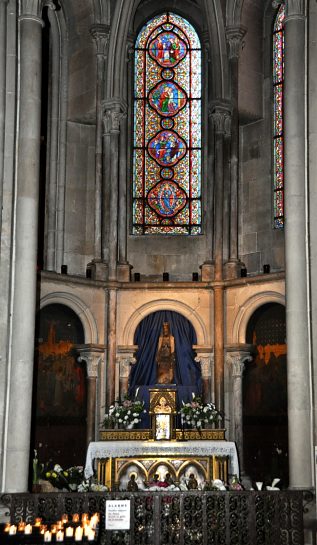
(237, 361)
(220, 114)
(32, 9)
(101, 34)
(92, 355)
(125, 363)
(235, 37)
(295, 9)
(206, 362)
(114, 112)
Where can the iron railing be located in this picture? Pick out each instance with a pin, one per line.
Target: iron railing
(178, 518)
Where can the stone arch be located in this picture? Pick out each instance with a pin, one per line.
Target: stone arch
(248, 308)
(81, 310)
(164, 304)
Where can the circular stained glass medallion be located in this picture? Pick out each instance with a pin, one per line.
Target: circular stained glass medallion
(167, 173)
(167, 123)
(167, 148)
(167, 73)
(167, 49)
(166, 198)
(167, 98)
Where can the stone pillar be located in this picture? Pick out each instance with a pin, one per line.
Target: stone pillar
(296, 250)
(19, 400)
(3, 64)
(92, 355)
(100, 34)
(234, 37)
(124, 364)
(114, 112)
(237, 360)
(221, 118)
(206, 361)
(112, 346)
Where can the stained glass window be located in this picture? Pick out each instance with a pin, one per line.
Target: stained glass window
(167, 128)
(278, 125)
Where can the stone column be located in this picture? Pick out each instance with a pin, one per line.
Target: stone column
(92, 355)
(296, 250)
(234, 37)
(124, 364)
(3, 64)
(221, 118)
(237, 361)
(112, 347)
(206, 361)
(100, 34)
(19, 400)
(114, 112)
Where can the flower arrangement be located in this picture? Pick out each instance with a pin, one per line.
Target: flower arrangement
(196, 413)
(126, 413)
(62, 479)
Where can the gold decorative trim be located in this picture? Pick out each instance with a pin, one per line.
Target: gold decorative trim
(125, 435)
(201, 435)
(147, 435)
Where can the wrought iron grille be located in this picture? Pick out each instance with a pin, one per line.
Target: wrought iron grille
(178, 518)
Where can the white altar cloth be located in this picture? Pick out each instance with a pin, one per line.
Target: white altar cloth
(133, 449)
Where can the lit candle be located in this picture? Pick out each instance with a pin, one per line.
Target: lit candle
(84, 517)
(60, 536)
(7, 527)
(75, 517)
(69, 531)
(91, 535)
(28, 529)
(21, 526)
(86, 530)
(13, 530)
(53, 528)
(94, 521)
(64, 519)
(78, 533)
(59, 525)
(38, 522)
(47, 536)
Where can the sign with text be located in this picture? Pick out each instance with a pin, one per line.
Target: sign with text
(118, 515)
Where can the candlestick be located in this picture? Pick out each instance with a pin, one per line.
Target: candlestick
(60, 536)
(28, 529)
(78, 533)
(47, 536)
(13, 530)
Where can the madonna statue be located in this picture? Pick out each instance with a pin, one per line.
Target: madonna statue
(165, 356)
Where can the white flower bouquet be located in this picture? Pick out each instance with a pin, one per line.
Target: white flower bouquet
(126, 413)
(196, 414)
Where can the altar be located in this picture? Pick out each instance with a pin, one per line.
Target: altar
(117, 460)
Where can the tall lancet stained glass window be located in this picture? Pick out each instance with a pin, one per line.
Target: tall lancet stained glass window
(167, 128)
(278, 124)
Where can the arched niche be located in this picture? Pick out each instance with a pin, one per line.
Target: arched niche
(265, 421)
(59, 387)
(184, 309)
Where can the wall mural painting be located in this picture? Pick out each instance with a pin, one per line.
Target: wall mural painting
(265, 397)
(59, 391)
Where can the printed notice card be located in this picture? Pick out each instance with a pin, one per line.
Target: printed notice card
(118, 515)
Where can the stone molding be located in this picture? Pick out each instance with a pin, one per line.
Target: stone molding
(235, 37)
(32, 9)
(101, 35)
(295, 9)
